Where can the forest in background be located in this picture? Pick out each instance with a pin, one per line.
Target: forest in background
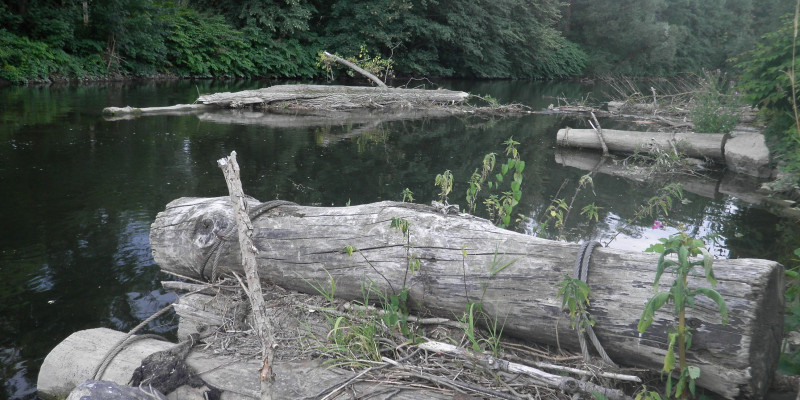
(43, 40)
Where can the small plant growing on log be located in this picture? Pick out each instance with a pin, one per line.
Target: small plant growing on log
(445, 182)
(574, 295)
(501, 207)
(408, 195)
(685, 247)
(477, 180)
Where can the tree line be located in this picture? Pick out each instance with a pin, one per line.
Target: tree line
(540, 39)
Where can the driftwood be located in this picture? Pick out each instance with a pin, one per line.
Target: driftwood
(464, 258)
(323, 97)
(309, 98)
(566, 384)
(183, 108)
(244, 229)
(706, 145)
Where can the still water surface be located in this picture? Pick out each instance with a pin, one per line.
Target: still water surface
(78, 193)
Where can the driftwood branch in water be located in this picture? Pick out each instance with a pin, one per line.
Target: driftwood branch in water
(356, 68)
(460, 260)
(244, 229)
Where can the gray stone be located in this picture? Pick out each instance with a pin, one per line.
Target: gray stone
(748, 154)
(105, 390)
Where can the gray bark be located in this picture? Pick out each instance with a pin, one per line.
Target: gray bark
(298, 245)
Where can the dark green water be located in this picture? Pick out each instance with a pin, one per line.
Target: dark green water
(79, 193)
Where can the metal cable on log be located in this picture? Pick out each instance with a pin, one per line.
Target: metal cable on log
(582, 273)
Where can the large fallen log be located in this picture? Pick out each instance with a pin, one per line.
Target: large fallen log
(706, 145)
(333, 97)
(464, 258)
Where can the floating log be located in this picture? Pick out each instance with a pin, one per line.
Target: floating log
(705, 145)
(310, 98)
(128, 110)
(464, 258)
(73, 361)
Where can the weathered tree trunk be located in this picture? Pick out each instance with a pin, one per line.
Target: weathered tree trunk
(323, 97)
(705, 145)
(515, 276)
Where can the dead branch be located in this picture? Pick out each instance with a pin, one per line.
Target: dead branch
(263, 326)
(356, 68)
(565, 383)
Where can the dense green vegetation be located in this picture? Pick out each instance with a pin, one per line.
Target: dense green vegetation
(42, 40)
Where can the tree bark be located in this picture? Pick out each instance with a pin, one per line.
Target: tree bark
(465, 258)
(698, 145)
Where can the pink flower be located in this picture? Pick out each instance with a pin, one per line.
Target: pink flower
(657, 225)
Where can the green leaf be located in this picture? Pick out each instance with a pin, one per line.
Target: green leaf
(694, 372)
(683, 255)
(515, 186)
(655, 248)
(707, 261)
(504, 168)
(521, 166)
(648, 314)
(669, 359)
(717, 298)
(499, 178)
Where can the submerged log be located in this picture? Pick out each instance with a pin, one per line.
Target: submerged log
(464, 258)
(705, 145)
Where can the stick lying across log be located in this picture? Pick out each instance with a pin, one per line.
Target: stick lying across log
(464, 258)
(706, 145)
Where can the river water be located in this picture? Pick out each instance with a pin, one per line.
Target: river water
(79, 193)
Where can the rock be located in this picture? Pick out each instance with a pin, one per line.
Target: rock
(748, 154)
(106, 390)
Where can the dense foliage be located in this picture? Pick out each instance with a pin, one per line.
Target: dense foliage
(770, 83)
(661, 37)
(543, 39)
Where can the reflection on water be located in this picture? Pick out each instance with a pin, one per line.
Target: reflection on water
(79, 193)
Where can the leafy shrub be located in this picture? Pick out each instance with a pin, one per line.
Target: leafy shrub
(715, 108)
(769, 82)
(23, 60)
